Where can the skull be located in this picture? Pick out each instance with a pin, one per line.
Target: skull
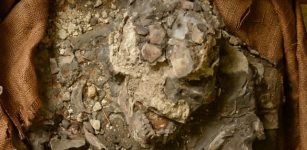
(167, 53)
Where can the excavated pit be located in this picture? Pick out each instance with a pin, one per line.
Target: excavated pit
(154, 74)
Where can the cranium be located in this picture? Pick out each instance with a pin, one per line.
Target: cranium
(167, 53)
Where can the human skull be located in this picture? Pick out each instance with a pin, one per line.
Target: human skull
(167, 52)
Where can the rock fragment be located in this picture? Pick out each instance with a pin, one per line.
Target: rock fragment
(91, 91)
(65, 144)
(197, 35)
(93, 140)
(62, 34)
(76, 98)
(98, 3)
(234, 40)
(187, 5)
(104, 102)
(156, 34)
(151, 52)
(97, 106)
(95, 124)
(54, 66)
(181, 61)
(141, 30)
(65, 123)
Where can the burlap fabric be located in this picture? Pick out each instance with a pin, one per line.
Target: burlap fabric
(22, 26)
(275, 28)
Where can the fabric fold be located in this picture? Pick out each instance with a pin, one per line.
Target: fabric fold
(21, 29)
(275, 28)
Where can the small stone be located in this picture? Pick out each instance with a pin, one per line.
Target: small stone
(71, 1)
(62, 34)
(93, 21)
(95, 124)
(105, 21)
(97, 106)
(63, 60)
(104, 102)
(98, 3)
(64, 144)
(187, 5)
(151, 52)
(88, 127)
(66, 96)
(76, 98)
(197, 35)
(54, 66)
(65, 123)
(104, 14)
(233, 40)
(70, 111)
(91, 91)
(87, 18)
(141, 30)
(197, 7)
(71, 28)
(113, 6)
(80, 117)
(170, 21)
(93, 140)
(1, 90)
(62, 51)
(181, 60)
(156, 34)
(202, 27)
(79, 56)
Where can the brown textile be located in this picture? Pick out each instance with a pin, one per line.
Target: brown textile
(22, 27)
(275, 28)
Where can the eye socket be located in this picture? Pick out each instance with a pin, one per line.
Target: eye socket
(119, 78)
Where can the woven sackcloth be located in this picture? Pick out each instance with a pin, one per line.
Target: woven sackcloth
(22, 26)
(275, 28)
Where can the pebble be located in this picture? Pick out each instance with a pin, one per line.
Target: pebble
(141, 30)
(62, 34)
(187, 5)
(91, 91)
(151, 52)
(98, 3)
(104, 102)
(95, 124)
(88, 127)
(64, 144)
(54, 68)
(97, 106)
(66, 96)
(156, 34)
(93, 140)
(93, 21)
(113, 6)
(76, 98)
(104, 14)
(197, 35)
(65, 123)
(234, 40)
(1, 90)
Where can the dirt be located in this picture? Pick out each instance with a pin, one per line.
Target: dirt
(151, 75)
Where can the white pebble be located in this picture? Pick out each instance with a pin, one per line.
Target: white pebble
(95, 124)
